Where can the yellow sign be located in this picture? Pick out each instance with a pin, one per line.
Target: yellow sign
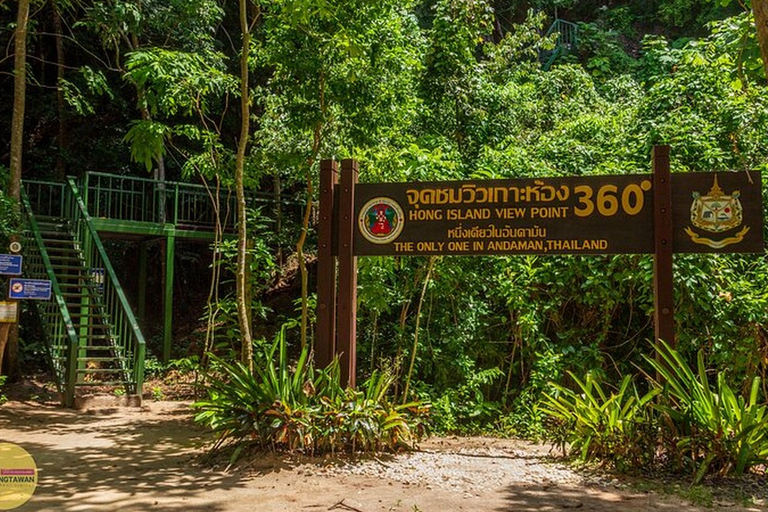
(8, 312)
(18, 476)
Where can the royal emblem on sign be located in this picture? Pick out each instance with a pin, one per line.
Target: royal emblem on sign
(716, 212)
(381, 220)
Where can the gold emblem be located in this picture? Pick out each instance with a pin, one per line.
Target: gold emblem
(716, 213)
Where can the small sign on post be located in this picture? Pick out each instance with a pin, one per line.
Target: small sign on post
(8, 312)
(97, 277)
(30, 289)
(10, 264)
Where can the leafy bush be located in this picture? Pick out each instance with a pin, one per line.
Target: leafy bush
(302, 408)
(3, 398)
(610, 425)
(466, 408)
(692, 424)
(709, 430)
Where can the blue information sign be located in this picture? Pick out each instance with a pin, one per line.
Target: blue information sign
(35, 289)
(10, 264)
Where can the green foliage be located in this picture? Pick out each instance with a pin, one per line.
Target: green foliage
(297, 407)
(683, 421)
(603, 423)
(466, 408)
(3, 398)
(82, 92)
(147, 140)
(179, 83)
(10, 220)
(711, 429)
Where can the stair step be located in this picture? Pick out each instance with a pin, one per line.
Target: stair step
(99, 370)
(78, 285)
(77, 306)
(103, 326)
(101, 383)
(59, 249)
(77, 315)
(67, 257)
(87, 347)
(92, 359)
(68, 244)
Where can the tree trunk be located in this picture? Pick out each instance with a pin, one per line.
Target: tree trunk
(62, 139)
(430, 266)
(760, 10)
(317, 139)
(243, 297)
(17, 139)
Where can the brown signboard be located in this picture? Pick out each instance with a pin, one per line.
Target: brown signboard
(717, 212)
(713, 212)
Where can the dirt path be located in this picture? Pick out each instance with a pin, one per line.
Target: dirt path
(147, 459)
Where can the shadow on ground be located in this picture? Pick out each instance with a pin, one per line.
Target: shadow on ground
(123, 460)
(525, 498)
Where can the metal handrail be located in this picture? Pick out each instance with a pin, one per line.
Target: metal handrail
(69, 334)
(113, 299)
(48, 197)
(137, 199)
(133, 199)
(567, 39)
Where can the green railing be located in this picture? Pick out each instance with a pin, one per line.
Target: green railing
(56, 321)
(124, 329)
(46, 197)
(132, 199)
(567, 40)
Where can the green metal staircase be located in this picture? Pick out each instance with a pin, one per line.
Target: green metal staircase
(91, 334)
(566, 42)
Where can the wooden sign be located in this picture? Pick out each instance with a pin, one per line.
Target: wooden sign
(713, 212)
(658, 213)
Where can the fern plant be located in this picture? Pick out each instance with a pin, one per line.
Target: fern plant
(299, 408)
(600, 422)
(711, 429)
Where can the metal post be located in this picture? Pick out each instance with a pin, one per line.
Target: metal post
(143, 282)
(664, 297)
(347, 309)
(326, 267)
(168, 301)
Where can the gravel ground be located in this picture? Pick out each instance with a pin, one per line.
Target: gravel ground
(470, 466)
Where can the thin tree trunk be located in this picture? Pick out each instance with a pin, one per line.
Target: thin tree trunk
(303, 237)
(430, 266)
(317, 137)
(62, 140)
(760, 10)
(243, 298)
(17, 138)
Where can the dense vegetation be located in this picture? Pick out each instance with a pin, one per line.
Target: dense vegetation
(427, 90)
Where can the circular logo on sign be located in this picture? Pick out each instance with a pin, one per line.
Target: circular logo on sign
(18, 476)
(17, 287)
(381, 220)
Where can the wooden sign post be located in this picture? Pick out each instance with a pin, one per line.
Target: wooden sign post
(658, 213)
(663, 279)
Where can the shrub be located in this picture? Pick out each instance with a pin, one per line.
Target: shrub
(691, 423)
(300, 408)
(3, 398)
(710, 430)
(604, 424)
